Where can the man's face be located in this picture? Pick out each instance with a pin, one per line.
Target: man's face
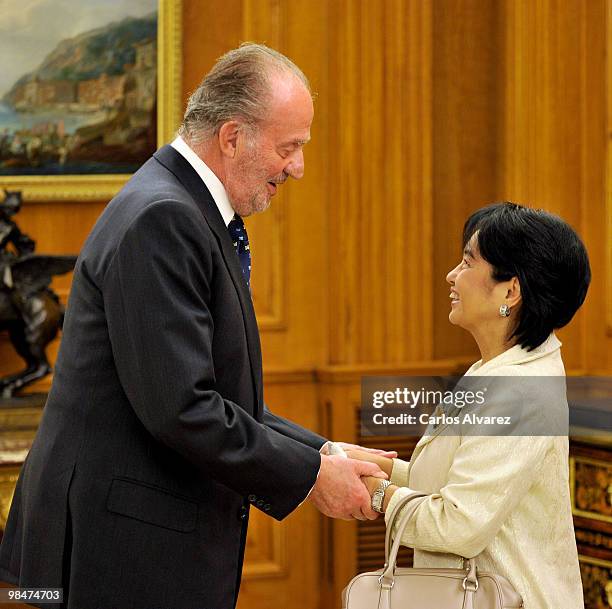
(265, 159)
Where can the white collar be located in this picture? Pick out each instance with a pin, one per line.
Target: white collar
(212, 182)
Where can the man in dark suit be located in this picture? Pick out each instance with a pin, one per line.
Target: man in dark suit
(155, 439)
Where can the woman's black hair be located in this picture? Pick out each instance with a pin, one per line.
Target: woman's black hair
(544, 253)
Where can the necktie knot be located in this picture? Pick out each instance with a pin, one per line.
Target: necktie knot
(240, 239)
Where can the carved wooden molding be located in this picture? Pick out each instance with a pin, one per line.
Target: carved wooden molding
(268, 238)
(596, 581)
(591, 488)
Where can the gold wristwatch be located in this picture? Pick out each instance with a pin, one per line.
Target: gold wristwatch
(379, 496)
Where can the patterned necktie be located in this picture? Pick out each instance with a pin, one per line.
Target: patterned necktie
(237, 231)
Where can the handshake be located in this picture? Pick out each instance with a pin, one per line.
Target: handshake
(344, 486)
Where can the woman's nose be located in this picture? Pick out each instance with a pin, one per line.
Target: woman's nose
(450, 278)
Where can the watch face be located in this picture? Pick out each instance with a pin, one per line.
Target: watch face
(377, 500)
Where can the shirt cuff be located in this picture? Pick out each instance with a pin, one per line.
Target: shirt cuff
(324, 450)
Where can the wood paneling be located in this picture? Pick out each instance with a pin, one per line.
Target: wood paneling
(608, 186)
(553, 138)
(466, 132)
(424, 111)
(282, 563)
(268, 241)
(380, 213)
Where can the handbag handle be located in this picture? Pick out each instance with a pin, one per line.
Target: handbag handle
(406, 516)
(386, 580)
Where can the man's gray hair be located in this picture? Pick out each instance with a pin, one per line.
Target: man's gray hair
(237, 87)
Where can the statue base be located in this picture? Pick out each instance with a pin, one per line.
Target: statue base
(27, 400)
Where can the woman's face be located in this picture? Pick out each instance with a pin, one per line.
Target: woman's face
(475, 296)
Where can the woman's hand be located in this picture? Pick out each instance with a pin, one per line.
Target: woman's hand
(384, 463)
(373, 483)
(390, 454)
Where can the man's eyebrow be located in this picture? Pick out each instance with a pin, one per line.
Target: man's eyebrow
(467, 250)
(297, 142)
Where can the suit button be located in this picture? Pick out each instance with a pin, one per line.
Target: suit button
(267, 507)
(242, 512)
(260, 503)
(252, 498)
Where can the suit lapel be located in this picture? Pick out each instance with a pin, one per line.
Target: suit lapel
(184, 172)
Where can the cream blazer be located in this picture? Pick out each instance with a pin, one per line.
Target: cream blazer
(504, 500)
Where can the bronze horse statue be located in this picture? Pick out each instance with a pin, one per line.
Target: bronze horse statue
(29, 309)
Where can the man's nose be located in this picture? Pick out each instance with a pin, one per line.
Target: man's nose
(295, 168)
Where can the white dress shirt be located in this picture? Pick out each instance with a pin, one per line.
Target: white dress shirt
(212, 182)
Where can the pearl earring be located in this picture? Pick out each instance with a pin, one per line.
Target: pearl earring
(504, 310)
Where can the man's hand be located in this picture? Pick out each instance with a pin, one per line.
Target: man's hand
(383, 462)
(339, 491)
(389, 454)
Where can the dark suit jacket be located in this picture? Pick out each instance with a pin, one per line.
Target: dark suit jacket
(155, 438)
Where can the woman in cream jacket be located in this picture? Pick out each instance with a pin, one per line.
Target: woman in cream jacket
(504, 499)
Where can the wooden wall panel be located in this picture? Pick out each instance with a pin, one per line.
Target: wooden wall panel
(282, 562)
(302, 246)
(608, 186)
(424, 112)
(553, 139)
(380, 210)
(288, 242)
(466, 132)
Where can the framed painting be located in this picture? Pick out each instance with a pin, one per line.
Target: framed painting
(88, 90)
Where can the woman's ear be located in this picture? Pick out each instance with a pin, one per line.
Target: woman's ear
(513, 294)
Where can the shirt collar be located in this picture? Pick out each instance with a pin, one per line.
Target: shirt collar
(212, 182)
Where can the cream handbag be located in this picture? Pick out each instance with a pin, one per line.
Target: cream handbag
(399, 588)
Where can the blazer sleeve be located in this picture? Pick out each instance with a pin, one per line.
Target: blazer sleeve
(156, 291)
(292, 430)
(399, 472)
(488, 478)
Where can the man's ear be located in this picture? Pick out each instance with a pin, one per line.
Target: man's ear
(228, 138)
(513, 294)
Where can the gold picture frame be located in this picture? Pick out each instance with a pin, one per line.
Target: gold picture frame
(169, 111)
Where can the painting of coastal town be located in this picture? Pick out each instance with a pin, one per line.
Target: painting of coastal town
(78, 84)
